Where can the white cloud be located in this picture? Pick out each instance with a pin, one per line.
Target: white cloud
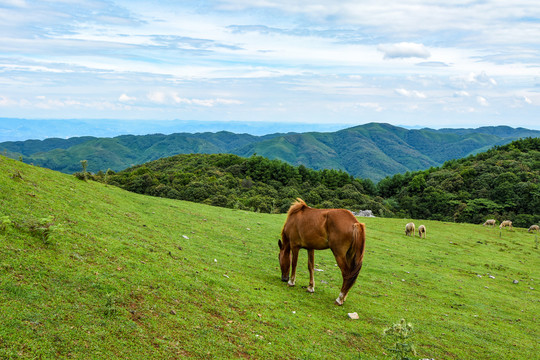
(481, 78)
(478, 79)
(521, 101)
(482, 101)
(158, 97)
(16, 3)
(171, 98)
(179, 100)
(432, 64)
(411, 93)
(461, 94)
(403, 92)
(370, 105)
(49, 104)
(212, 102)
(4, 101)
(126, 98)
(203, 102)
(228, 101)
(404, 50)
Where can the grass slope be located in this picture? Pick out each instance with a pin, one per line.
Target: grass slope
(129, 276)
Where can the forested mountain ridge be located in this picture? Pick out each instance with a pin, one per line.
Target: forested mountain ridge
(501, 183)
(123, 151)
(501, 130)
(371, 151)
(376, 150)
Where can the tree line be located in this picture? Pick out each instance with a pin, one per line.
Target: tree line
(255, 183)
(502, 183)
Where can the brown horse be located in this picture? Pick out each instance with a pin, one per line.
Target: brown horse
(319, 229)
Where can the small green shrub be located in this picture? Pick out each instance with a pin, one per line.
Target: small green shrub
(111, 308)
(17, 175)
(43, 228)
(81, 175)
(401, 332)
(5, 223)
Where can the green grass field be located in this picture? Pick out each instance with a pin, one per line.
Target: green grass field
(89, 271)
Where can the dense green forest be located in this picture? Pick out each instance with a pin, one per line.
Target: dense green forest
(501, 183)
(255, 183)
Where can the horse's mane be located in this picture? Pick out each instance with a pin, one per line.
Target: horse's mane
(296, 206)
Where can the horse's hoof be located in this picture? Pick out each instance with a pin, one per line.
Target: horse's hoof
(310, 290)
(290, 283)
(338, 303)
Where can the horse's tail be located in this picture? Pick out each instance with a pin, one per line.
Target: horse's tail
(355, 254)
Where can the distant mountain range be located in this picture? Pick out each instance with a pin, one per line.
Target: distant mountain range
(373, 150)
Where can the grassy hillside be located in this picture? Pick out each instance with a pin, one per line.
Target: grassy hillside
(372, 151)
(91, 271)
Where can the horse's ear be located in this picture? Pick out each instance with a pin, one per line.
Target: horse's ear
(280, 244)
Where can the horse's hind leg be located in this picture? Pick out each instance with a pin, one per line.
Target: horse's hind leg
(348, 282)
(311, 264)
(294, 261)
(343, 293)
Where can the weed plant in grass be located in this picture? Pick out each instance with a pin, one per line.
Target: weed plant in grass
(123, 275)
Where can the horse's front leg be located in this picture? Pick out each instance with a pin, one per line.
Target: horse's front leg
(294, 260)
(311, 264)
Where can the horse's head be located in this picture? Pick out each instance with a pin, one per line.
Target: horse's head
(284, 260)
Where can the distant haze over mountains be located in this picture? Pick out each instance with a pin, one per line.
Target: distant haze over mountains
(373, 150)
(12, 129)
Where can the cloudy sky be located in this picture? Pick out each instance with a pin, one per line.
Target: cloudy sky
(406, 62)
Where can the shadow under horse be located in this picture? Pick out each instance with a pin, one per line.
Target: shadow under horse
(319, 229)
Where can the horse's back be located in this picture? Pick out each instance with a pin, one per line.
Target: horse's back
(341, 220)
(319, 228)
(340, 227)
(307, 228)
